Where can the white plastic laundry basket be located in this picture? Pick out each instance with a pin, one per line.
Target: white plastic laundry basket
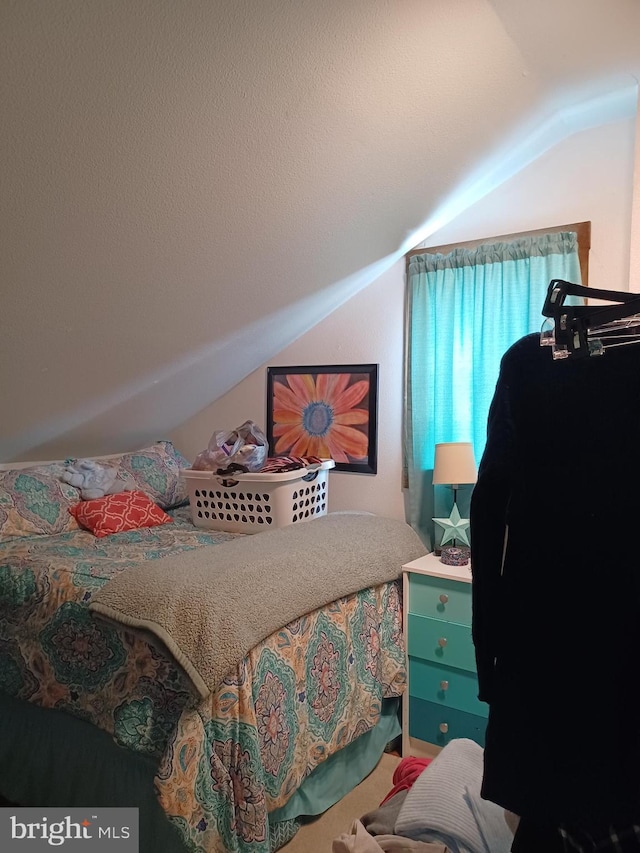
(251, 503)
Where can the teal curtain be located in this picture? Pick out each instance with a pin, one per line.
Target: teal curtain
(464, 311)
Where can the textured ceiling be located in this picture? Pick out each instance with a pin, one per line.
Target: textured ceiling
(194, 184)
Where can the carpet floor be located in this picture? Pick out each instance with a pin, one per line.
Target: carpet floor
(317, 835)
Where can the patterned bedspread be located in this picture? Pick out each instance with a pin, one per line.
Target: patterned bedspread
(225, 762)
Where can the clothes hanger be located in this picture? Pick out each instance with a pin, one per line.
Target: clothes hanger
(586, 330)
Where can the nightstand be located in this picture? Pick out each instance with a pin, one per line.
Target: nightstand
(441, 702)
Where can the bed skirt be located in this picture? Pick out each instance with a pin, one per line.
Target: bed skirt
(105, 774)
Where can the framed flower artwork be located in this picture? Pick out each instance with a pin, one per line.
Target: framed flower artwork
(328, 411)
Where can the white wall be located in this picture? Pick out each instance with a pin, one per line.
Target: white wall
(159, 157)
(367, 329)
(587, 177)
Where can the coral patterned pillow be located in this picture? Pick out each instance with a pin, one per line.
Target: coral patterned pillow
(115, 513)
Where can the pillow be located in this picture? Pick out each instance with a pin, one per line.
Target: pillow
(115, 513)
(154, 470)
(35, 501)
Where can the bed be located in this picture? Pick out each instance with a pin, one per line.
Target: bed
(97, 711)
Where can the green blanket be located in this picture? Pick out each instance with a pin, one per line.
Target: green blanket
(212, 605)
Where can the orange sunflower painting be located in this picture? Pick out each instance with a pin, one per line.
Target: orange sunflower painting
(328, 412)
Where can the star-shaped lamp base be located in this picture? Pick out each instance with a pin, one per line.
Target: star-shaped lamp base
(456, 529)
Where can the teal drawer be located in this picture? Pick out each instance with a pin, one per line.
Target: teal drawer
(425, 593)
(450, 688)
(441, 642)
(426, 721)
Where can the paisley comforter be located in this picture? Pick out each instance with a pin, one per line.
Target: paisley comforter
(224, 762)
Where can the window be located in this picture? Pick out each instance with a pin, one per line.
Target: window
(466, 304)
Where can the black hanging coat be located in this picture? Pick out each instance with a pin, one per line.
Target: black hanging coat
(555, 539)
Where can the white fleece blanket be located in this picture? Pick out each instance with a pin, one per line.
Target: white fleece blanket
(444, 804)
(210, 606)
(359, 841)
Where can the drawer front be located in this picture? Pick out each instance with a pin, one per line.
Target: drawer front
(449, 688)
(426, 721)
(440, 598)
(441, 642)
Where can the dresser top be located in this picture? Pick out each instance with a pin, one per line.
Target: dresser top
(432, 565)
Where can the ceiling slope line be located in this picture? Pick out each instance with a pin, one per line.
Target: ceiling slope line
(526, 146)
(166, 399)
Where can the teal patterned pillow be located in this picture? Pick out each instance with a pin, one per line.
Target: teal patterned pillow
(155, 471)
(34, 501)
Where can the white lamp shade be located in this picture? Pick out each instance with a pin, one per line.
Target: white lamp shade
(454, 464)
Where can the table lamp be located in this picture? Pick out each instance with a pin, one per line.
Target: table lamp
(454, 465)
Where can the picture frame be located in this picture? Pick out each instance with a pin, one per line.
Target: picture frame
(326, 411)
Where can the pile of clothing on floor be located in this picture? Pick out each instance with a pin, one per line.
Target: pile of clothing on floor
(434, 807)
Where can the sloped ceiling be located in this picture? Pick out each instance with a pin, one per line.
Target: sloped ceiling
(189, 185)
